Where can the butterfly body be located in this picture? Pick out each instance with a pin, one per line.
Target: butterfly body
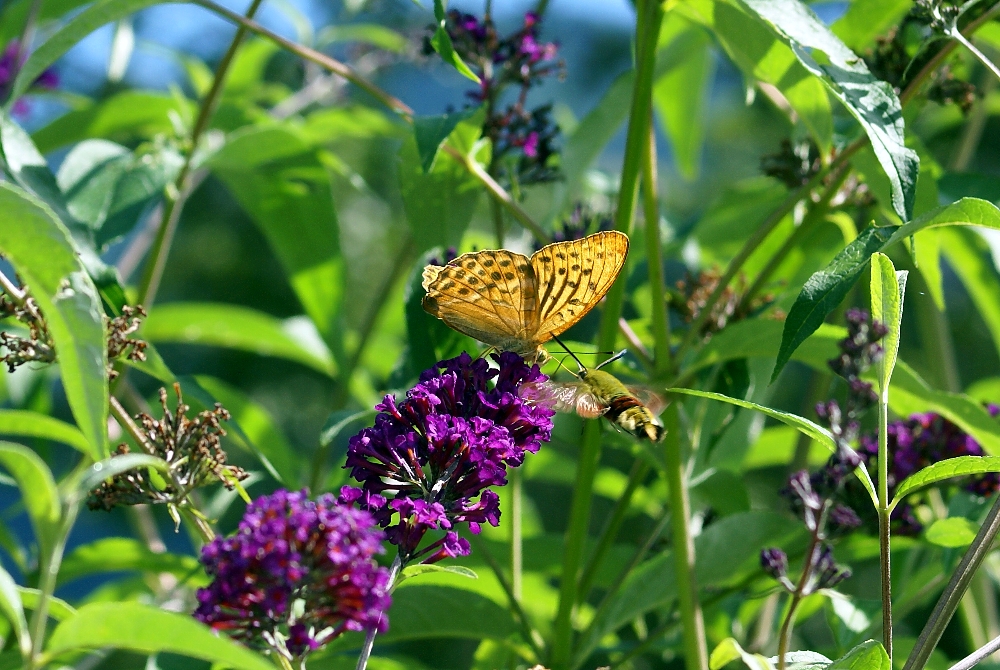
(515, 303)
(598, 393)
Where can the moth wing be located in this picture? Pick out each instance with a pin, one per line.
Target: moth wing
(653, 401)
(574, 397)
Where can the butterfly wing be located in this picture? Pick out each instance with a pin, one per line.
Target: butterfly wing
(573, 276)
(489, 295)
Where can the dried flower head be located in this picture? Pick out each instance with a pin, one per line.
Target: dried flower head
(191, 449)
(120, 342)
(692, 294)
(794, 164)
(429, 460)
(38, 345)
(296, 574)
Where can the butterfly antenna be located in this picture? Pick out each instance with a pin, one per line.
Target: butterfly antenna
(612, 359)
(563, 345)
(562, 364)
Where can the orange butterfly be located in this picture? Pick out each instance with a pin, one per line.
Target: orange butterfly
(515, 303)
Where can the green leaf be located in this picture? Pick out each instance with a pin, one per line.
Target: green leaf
(730, 650)
(826, 288)
(761, 338)
(39, 247)
(871, 101)
(257, 430)
(33, 424)
(753, 47)
(13, 610)
(865, 20)
(961, 466)
(366, 33)
(148, 630)
(38, 490)
(284, 187)
(439, 204)
(887, 288)
(803, 425)
(965, 212)
(59, 609)
(123, 117)
(441, 42)
(426, 568)
(121, 554)
(13, 14)
(868, 655)
(727, 551)
(108, 187)
(952, 533)
(74, 30)
(338, 421)
(430, 133)
(680, 95)
(969, 256)
(234, 327)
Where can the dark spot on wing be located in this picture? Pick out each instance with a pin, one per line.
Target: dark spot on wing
(575, 267)
(560, 255)
(592, 286)
(470, 264)
(508, 275)
(561, 271)
(473, 280)
(504, 263)
(545, 259)
(495, 275)
(463, 291)
(488, 263)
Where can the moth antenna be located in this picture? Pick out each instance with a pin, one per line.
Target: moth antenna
(612, 359)
(583, 368)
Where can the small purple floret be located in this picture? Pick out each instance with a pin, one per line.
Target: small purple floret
(288, 548)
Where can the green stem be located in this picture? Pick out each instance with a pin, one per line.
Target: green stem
(366, 650)
(980, 56)
(499, 193)
(692, 623)
(654, 259)
(153, 272)
(815, 215)
(956, 588)
(47, 583)
(647, 33)
(787, 624)
(516, 532)
(608, 534)
(531, 637)
(883, 520)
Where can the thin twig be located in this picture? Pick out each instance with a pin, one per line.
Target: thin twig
(953, 592)
(978, 655)
(181, 186)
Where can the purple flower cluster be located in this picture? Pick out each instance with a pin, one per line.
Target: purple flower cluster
(429, 460)
(10, 64)
(296, 574)
(523, 139)
(919, 441)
